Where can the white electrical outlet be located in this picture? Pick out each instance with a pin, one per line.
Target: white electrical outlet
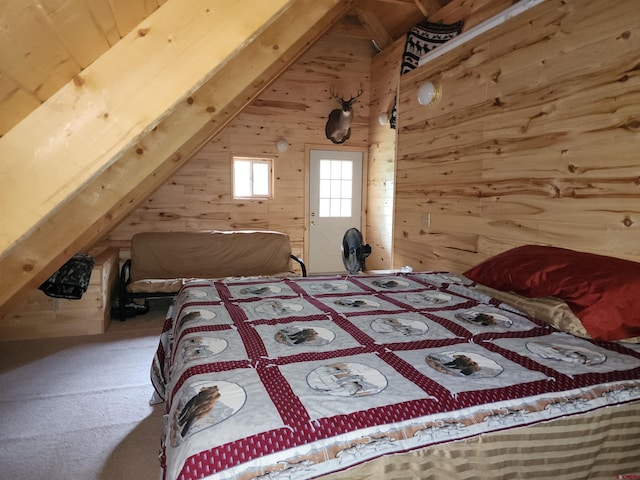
(426, 219)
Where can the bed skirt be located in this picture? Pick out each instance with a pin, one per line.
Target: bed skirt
(602, 444)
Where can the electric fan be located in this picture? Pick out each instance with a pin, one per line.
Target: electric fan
(353, 251)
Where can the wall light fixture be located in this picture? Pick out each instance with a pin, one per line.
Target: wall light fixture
(282, 145)
(429, 94)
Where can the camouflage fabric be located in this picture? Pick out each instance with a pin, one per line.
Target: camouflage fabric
(72, 279)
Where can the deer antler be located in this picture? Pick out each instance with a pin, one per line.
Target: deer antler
(360, 92)
(341, 100)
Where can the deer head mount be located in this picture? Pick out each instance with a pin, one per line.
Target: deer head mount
(338, 128)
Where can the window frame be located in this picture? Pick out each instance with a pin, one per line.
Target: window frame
(257, 160)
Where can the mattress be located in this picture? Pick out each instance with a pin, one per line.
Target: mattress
(376, 375)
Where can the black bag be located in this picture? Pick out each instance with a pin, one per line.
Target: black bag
(72, 279)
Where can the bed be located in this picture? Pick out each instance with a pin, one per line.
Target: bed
(399, 375)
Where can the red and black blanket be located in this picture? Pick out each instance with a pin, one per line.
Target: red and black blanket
(296, 378)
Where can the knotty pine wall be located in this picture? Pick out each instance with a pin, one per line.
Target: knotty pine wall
(385, 77)
(385, 74)
(536, 140)
(294, 107)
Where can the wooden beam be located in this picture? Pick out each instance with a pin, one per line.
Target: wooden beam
(379, 35)
(427, 7)
(140, 144)
(472, 13)
(422, 8)
(350, 27)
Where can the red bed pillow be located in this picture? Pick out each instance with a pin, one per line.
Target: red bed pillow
(603, 292)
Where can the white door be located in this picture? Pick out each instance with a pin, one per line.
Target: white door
(335, 205)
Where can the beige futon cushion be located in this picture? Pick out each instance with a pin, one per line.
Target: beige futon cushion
(179, 255)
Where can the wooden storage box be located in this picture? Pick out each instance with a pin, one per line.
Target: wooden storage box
(40, 316)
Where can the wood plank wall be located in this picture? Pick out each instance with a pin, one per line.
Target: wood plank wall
(385, 74)
(535, 140)
(385, 77)
(295, 107)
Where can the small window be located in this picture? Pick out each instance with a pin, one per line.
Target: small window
(252, 177)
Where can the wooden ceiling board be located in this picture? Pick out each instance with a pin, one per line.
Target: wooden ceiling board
(397, 16)
(45, 43)
(128, 13)
(74, 25)
(103, 16)
(31, 53)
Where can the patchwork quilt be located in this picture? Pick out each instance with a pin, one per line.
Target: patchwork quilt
(296, 378)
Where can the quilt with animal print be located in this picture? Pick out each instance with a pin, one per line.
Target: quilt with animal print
(296, 378)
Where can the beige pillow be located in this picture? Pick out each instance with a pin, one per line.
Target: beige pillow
(551, 310)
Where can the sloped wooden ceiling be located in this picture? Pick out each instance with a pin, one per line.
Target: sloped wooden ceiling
(76, 165)
(45, 43)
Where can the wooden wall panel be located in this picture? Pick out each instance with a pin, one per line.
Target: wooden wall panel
(385, 77)
(294, 107)
(385, 72)
(535, 140)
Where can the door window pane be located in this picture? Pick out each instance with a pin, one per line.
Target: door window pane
(336, 189)
(325, 189)
(346, 189)
(347, 170)
(325, 169)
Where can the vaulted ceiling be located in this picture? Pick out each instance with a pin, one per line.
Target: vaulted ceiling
(46, 43)
(102, 100)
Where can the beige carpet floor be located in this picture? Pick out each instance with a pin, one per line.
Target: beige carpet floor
(78, 407)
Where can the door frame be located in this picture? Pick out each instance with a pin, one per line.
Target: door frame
(307, 183)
